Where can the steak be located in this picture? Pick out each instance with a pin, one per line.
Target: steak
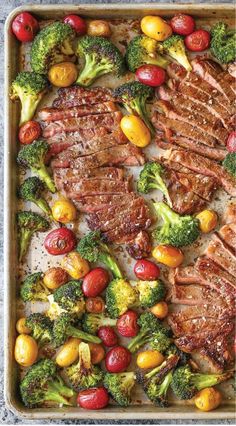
(95, 203)
(55, 114)
(94, 186)
(228, 234)
(230, 213)
(220, 253)
(139, 246)
(218, 352)
(195, 295)
(183, 200)
(67, 175)
(204, 327)
(77, 96)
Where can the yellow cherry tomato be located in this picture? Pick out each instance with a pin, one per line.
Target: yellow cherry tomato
(208, 399)
(155, 27)
(55, 277)
(75, 266)
(99, 28)
(21, 327)
(168, 255)
(207, 220)
(68, 353)
(64, 211)
(63, 74)
(135, 130)
(160, 310)
(149, 359)
(26, 350)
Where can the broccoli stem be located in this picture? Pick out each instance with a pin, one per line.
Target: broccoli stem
(43, 205)
(142, 111)
(72, 331)
(202, 381)
(159, 184)
(53, 395)
(168, 216)
(110, 262)
(91, 71)
(44, 176)
(28, 108)
(138, 341)
(62, 389)
(25, 235)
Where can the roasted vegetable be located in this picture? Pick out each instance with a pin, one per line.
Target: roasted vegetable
(144, 50)
(31, 190)
(28, 223)
(63, 328)
(174, 47)
(26, 350)
(69, 297)
(229, 163)
(33, 288)
(120, 386)
(151, 177)
(149, 292)
(41, 328)
(120, 296)
(92, 322)
(223, 43)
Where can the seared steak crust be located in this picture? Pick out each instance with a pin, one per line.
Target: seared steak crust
(77, 96)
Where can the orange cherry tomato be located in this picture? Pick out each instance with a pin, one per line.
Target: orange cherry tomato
(29, 132)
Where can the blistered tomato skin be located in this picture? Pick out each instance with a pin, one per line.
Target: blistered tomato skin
(182, 24)
(60, 241)
(25, 27)
(77, 23)
(64, 211)
(151, 75)
(74, 265)
(26, 350)
(93, 399)
(127, 324)
(97, 352)
(198, 41)
(156, 27)
(146, 270)
(231, 142)
(168, 255)
(55, 277)
(95, 305)
(63, 74)
(117, 359)
(108, 336)
(95, 282)
(208, 399)
(29, 132)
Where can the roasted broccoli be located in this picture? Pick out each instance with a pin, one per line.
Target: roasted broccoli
(33, 288)
(186, 384)
(67, 298)
(29, 87)
(120, 296)
(144, 50)
(100, 56)
(53, 44)
(41, 328)
(149, 292)
(151, 177)
(134, 96)
(176, 230)
(183, 356)
(33, 156)
(31, 190)
(28, 223)
(63, 328)
(223, 43)
(174, 47)
(83, 374)
(120, 386)
(42, 384)
(92, 248)
(229, 163)
(92, 322)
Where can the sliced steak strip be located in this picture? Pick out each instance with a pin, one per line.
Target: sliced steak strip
(230, 213)
(220, 253)
(183, 200)
(110, 212)
(77, 96)
(95, 203)
(185, 314)
(140, 246)
(202, 326)
(68, 175)
(218, 353)
(55, 114)
(94, 186)
(228, 234)
(195, 295)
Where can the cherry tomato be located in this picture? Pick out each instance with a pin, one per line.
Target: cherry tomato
(95, 305)
(95, 282)
(146, 270)
(25, 26)
(60, 241)
(198, 41)
(93, 399)
(107, 335)
(117, 359)
(77, 23)
(29, 132)
(151, 75)
(97, 352)
(231, 142)
(182, 24)
(127, 324)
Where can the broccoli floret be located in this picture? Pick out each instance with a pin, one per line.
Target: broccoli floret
(149, 292)
(120, 386)
(41, 328)
(92, 322)
(63, 328)
(67, 298)
(33, 288)
(31, 190)
(176, 230)
(120, 296)
(92, 248)
(33, 156)
(186, 384)
(28, 223)
(229, 163)
(144, 50)
(42, 384)
(29, 87)
(223, 43)
(83, 374)
(100, 57)
(174, 47)
(151, 177)
(53, 44)
(134, 96)
(183, 356)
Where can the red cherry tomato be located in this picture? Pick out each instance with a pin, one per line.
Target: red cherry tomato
(146, 270)
(182, 24)
(77, 23)
(29, 132)
(198, 41)
(93, 399)
(25, 26)
(108, 335)
(117, 359)
(95, 282)
(127, 324)
(151, 75)
(60, 241)
(231, 142)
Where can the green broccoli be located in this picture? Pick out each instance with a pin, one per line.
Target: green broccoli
(151, 177)
(176, 230)
(134, 96)
(28, 223)
(41, 328)
(149, 292)
(92, 248)
(33, 156)
(223, 43)
(120, 296)
(144, 50)
(63, 328)
(30, 88)
(174, 47)
(33, 288)
(67, 298)
(101, 57)
(183, 356)
(120, 386)
(186, 384)
(42, 384)
(31, 190)
(83, 374)
(53, 44)
(92, 322)
(229, 163)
